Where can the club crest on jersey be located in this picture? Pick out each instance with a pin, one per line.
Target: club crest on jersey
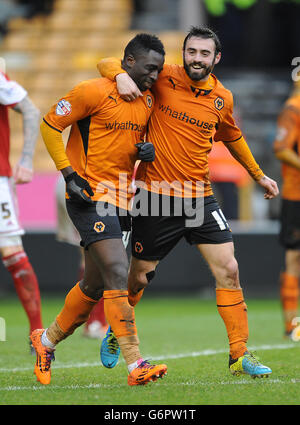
(99, 227)
(149, 101)
(63, 108)
(219, 103)
(138, 247)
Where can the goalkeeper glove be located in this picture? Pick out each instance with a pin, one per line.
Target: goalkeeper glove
(75, 187)
(146, 151)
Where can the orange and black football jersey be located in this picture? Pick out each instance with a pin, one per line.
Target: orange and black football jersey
(288, 136)
(187, 117)
(105, 129)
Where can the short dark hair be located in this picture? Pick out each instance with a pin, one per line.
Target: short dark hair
(142, 43)
(203, 32)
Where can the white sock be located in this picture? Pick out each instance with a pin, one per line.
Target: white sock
(134, 365)
(45, 341)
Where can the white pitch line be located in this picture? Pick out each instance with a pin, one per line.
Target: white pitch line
(208, 352)
(105, 386)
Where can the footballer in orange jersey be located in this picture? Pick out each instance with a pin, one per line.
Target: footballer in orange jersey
(105, 141)
(192, 110)
(287, 150)
(105, 131)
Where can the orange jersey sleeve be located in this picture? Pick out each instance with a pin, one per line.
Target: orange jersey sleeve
(288, 125)
(104, 131)
(55, 146)
(82, 101)
(187, 117)
(110, 68)
(239, 149)
(288, 137)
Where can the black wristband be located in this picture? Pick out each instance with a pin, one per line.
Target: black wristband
(69, 177)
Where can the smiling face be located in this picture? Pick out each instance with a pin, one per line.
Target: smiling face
(199, 58)
(144, 69)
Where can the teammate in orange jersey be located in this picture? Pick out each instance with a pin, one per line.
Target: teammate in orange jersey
(287, 150)
(12, 252)
(192, 110)
(103, 146)
(96, 325)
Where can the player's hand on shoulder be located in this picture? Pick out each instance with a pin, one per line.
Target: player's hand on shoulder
(270, 186)
(146, 151)
(76, 186)
(127, 88)
(22, 174)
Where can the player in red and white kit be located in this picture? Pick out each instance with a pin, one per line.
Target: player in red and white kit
(11, 248)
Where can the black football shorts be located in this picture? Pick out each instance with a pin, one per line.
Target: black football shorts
(98, 221)
(289, 235)
(154, 235)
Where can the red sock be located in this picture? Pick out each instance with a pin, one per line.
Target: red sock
(97, 314)
(26, 285)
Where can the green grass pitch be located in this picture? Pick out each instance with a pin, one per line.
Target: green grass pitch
(185, 333)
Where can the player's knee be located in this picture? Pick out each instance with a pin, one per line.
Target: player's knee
(150, 276)
(232, 269)
(229, 275)
(12, 246)
(293, 262)
(116, 274)
(142, 279)
(92, 288)
(146, 279)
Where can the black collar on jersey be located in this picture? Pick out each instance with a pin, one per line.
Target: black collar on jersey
(172, 82)
(200, 92)
(196, 90)
(113, 98)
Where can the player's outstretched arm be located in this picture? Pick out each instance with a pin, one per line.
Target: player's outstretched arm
(240, 150)
(23, 171)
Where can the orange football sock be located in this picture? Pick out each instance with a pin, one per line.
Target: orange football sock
(289, 296)
(133, 299)
(120, 316)
(233, 310)
(97, 314)
(75, 312)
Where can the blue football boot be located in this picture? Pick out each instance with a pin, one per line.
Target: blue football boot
(110, 350)
(248, 364)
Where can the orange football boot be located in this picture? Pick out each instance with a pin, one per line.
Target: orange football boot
(44, 355)
(146, 372)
